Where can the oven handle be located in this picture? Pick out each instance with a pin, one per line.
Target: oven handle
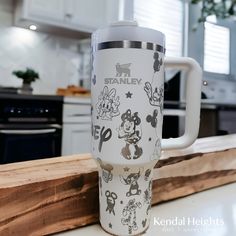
(41, 131)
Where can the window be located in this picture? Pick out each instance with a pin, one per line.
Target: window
(165, 16)
(216, 49)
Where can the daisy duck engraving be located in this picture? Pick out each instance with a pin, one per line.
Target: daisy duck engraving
(130, 131)
(129, 213)
(108, 103)
(132, 181)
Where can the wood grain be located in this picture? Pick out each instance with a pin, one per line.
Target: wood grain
(52, 195)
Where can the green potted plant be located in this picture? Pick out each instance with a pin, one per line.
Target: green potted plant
(28, 76)
(222, 9)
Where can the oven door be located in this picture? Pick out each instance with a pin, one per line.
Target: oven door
(23, 143)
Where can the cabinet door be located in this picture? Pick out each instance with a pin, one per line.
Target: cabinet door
(89, 14)
(52, 9)
(76, 139)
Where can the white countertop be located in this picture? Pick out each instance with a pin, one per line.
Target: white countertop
(77, 100)
(217, 207)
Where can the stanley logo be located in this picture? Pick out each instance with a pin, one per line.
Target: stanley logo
(123, 75)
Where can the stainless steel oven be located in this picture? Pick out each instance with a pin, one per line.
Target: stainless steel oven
(30, 128)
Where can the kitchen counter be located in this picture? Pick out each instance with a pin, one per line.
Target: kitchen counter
(216, 205)
(31, 97)
(77, 100)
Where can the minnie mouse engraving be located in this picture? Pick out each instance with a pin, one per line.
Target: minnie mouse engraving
(130, 131)
(129, 213)
(108, 103)
(132, 181)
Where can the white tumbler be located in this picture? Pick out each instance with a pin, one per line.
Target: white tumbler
(127, 86)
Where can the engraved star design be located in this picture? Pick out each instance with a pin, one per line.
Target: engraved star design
(129, 95)
(110, 225)
(126, 169)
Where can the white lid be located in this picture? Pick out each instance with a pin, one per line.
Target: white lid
(128, 30)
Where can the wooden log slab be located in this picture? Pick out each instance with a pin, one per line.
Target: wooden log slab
(52, 195)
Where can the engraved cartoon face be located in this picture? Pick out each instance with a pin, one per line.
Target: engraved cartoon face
(128, 126)
(133, 205)
(132, 177)
(129, 121)
(106, 105)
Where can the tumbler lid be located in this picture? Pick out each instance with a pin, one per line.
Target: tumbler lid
(128, 30)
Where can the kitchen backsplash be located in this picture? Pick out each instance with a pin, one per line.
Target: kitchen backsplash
(57, 59)
(220, 91)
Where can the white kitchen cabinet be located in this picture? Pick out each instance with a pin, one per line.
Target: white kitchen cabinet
(53, 9)
(87, 13)
(68, 15)
(76, 133)
(76, 139)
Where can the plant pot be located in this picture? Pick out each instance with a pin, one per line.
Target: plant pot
(26, 89)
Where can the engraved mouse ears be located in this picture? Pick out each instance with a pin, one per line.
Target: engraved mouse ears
(128, 116)
(156, 55)
(136, 119)
(111, 194)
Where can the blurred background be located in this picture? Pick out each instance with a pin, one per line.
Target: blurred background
(52, 39)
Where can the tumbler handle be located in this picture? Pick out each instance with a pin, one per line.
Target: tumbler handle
(193, 101)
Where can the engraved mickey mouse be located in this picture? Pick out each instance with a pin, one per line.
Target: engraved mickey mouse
(153, 118)
(157, 63)
(111, 201)
(130, 131)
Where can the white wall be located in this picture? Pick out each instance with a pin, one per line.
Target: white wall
(219, 86)
(196, 40)
(55, 58)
